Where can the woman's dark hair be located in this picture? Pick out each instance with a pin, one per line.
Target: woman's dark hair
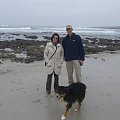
(56, 34)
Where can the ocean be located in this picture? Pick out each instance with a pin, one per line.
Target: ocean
(100, 32)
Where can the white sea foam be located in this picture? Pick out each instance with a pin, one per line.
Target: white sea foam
(48, 30)
(55, 29)
(15, 28)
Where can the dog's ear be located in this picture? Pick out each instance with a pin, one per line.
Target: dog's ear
(61, 89)
(58, 89)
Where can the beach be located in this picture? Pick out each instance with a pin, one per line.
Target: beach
(23, 95)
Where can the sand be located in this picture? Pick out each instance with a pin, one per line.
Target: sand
(23, 95)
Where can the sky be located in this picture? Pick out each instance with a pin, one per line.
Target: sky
(79, 13)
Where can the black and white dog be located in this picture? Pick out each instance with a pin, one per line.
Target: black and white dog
(70, 94)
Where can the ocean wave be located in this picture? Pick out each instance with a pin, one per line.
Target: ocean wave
(15, 28)
(49, 29)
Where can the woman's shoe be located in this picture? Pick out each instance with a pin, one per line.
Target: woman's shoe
(48, 92)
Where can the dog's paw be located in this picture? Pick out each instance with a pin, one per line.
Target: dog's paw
(63, 117)
(76, 110)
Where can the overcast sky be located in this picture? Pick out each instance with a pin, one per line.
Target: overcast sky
(79, 13)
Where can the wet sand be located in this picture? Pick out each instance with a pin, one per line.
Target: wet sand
(23, 95)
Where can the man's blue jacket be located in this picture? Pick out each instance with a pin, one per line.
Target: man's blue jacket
(73, 48)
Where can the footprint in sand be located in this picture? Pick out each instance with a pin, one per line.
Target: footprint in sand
(1, 103)
(37, 101)
(47, 107)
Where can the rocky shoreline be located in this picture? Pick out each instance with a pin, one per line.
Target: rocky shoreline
(27, 51)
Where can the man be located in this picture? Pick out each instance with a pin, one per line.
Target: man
(73, 53)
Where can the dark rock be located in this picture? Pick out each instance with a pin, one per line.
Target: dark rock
(17, 60)
(47, 37)
(7, 56)
(35, 52)
(32, 37)
(29, 59)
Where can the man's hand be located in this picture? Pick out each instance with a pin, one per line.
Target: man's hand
(81, 62)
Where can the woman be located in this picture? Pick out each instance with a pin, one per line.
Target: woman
(53, 56)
